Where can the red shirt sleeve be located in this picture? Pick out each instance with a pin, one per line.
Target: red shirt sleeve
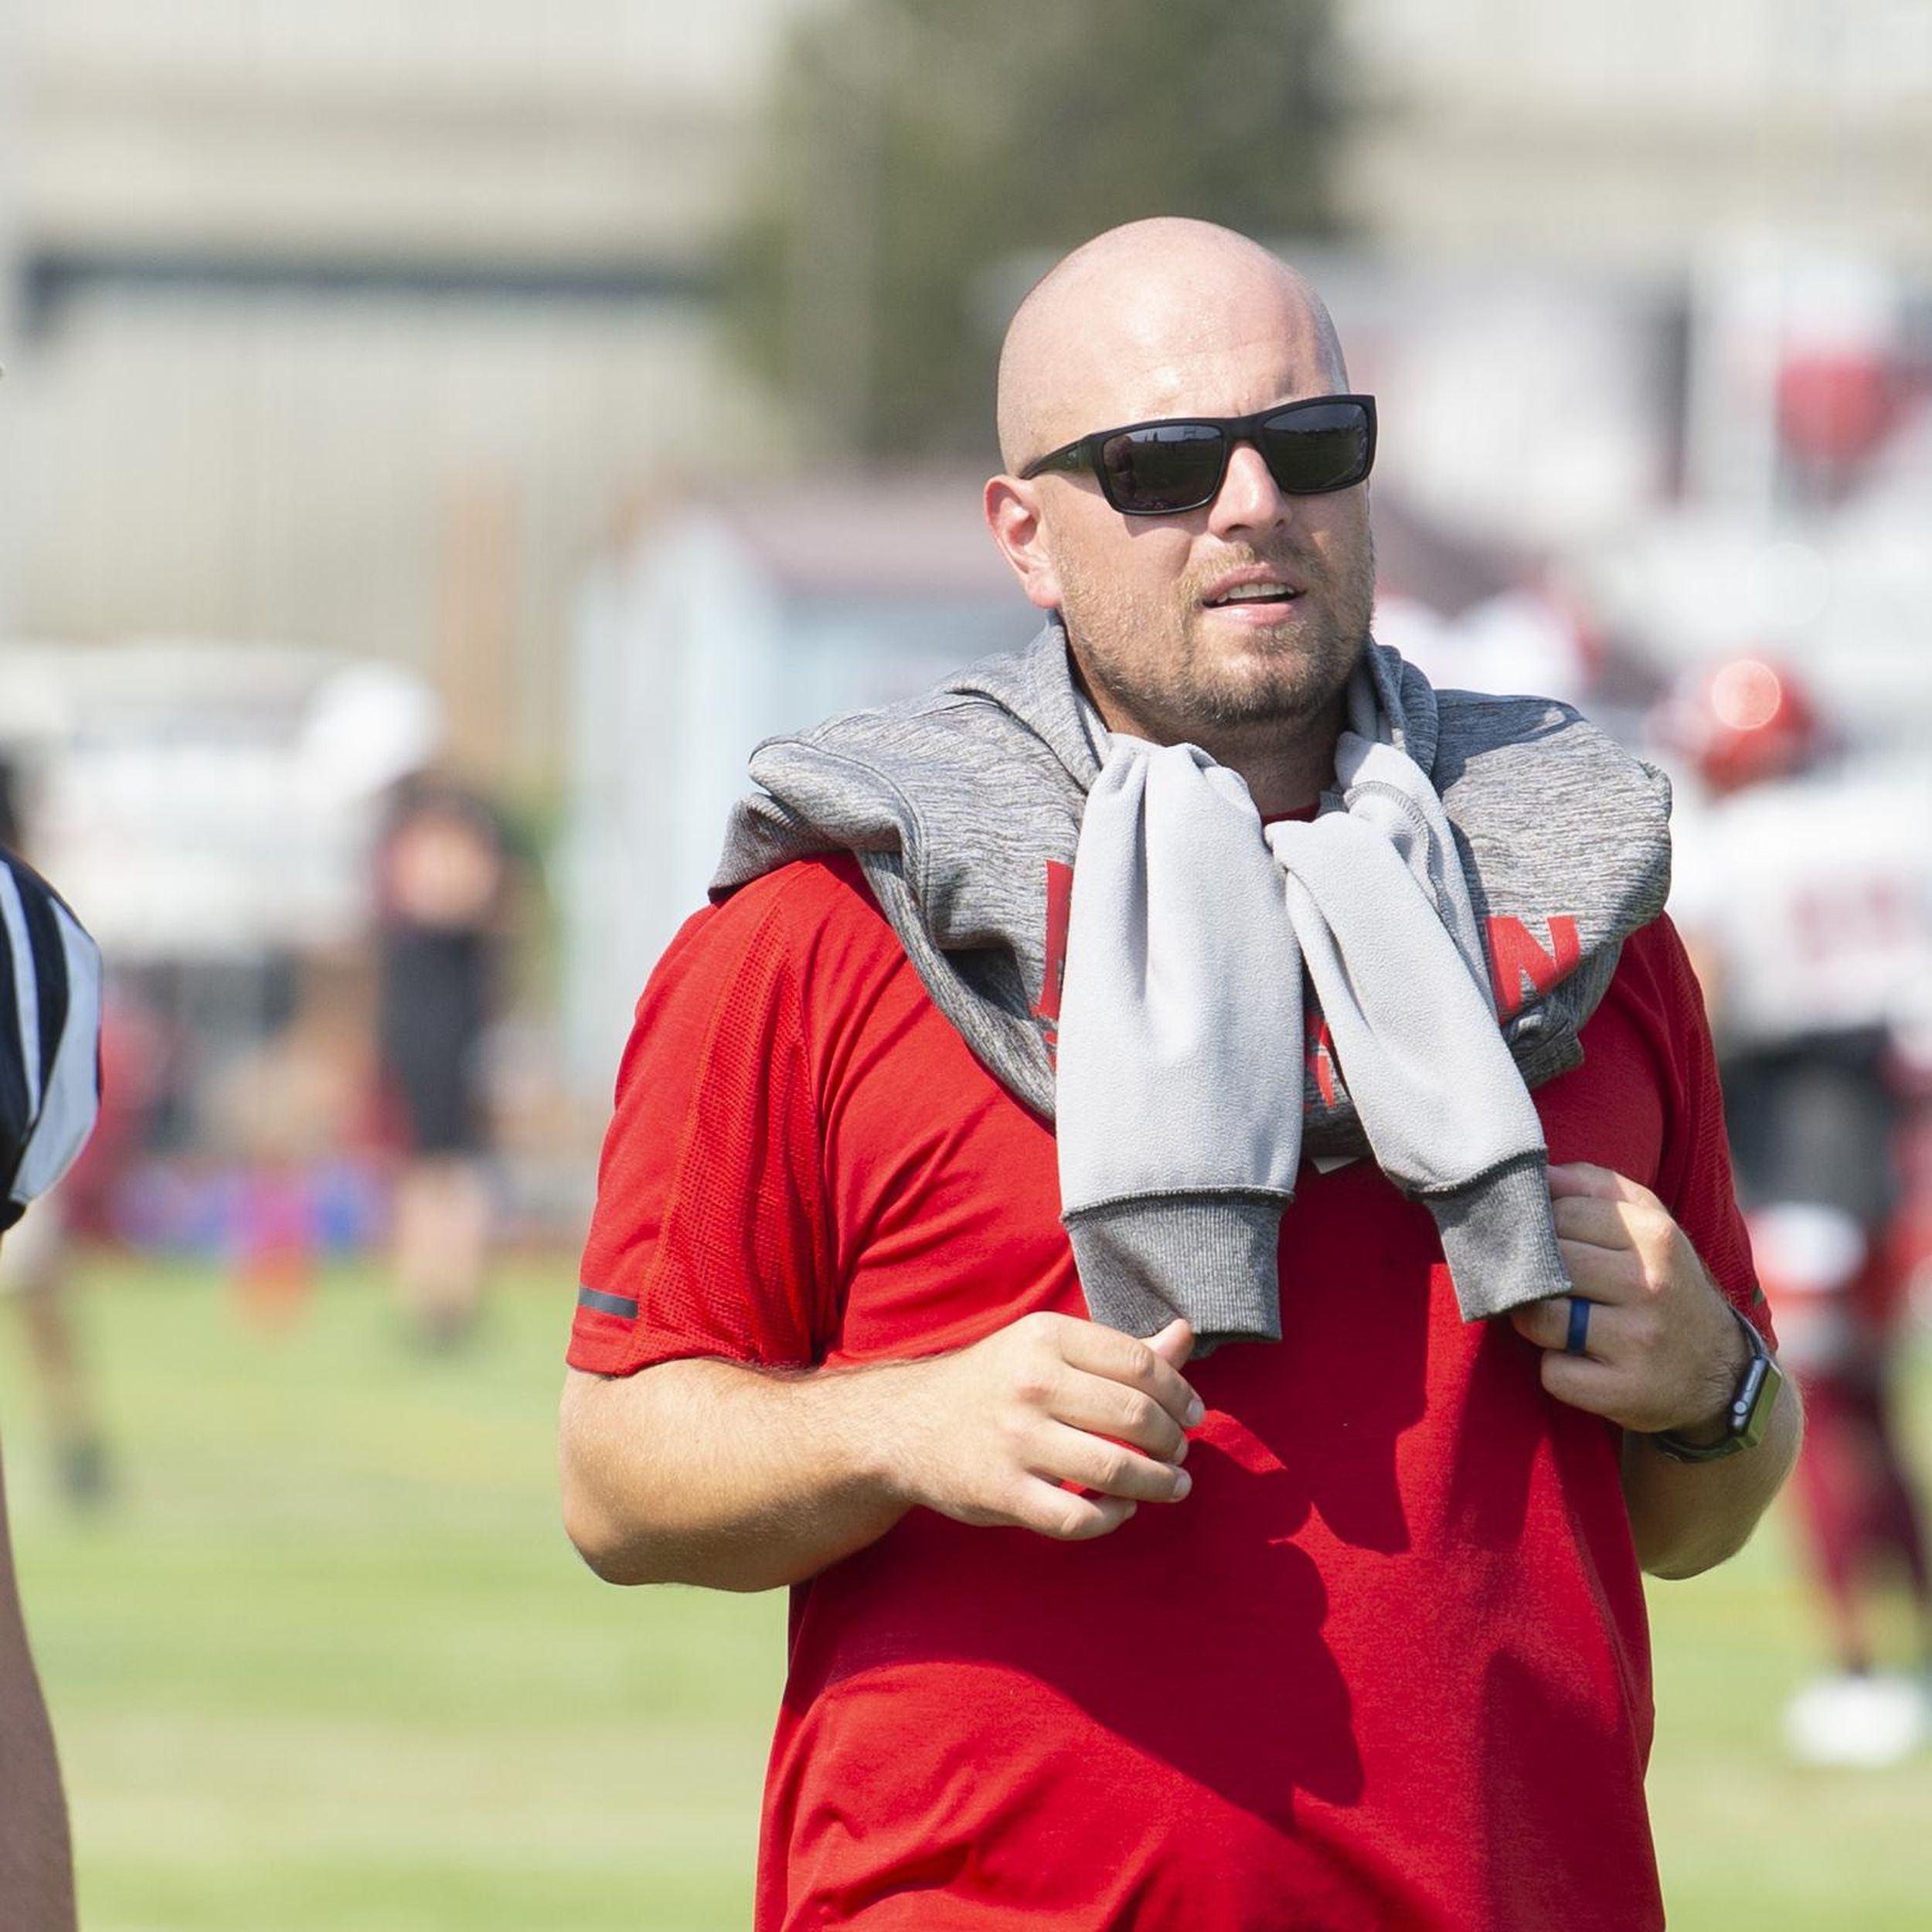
(709, 1237)
(1694, 1177)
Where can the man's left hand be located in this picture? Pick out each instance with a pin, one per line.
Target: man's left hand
(1662, 1350)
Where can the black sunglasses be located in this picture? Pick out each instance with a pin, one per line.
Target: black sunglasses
(1163, 468)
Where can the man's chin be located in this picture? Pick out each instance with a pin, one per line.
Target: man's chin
(1260, 711)
(1271, 692)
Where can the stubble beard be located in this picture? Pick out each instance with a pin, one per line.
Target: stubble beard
(1148, 655)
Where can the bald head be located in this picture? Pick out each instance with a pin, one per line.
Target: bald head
(1136, 323)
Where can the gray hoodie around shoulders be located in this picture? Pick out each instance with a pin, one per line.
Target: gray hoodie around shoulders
(964, 806)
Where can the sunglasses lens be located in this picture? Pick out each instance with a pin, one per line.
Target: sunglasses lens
(1165, 468)
(1315, 447)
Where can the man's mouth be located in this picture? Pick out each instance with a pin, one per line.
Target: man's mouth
(1254, 591)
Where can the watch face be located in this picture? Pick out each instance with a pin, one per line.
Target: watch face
(1750, 1414)
(1756, 1400)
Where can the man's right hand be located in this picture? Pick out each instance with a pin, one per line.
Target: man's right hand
(1053, 1424)
(715, 1473)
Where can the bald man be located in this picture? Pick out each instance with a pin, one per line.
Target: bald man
(1203, 1511)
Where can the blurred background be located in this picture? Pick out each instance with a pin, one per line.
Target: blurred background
(438, 439)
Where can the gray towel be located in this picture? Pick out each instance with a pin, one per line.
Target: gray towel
(1181, 1030)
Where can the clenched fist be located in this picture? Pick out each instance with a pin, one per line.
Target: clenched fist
(1054, 1424)
(1662, 1350)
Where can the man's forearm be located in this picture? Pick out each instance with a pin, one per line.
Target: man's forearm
(711, 1473)
(1688, 1517)
(36, 1859)
(36, 1866)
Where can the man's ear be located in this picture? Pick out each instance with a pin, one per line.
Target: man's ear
(1012, 515)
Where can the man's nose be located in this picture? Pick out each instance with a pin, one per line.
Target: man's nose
(1248, 498)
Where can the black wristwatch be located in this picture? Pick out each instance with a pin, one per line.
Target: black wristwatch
(1749, 1414)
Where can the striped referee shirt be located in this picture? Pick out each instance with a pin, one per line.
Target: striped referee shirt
(50, 1036)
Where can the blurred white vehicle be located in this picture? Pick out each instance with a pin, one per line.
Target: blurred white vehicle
(205, 802)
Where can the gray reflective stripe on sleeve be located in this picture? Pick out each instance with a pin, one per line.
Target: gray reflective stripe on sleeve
(26, 985)
(73, 1095)
(623, 1305)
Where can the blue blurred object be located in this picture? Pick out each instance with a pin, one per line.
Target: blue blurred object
(188, 1208)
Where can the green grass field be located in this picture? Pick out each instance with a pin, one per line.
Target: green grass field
(327, 1661)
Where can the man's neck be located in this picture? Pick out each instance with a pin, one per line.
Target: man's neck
(1288, 771)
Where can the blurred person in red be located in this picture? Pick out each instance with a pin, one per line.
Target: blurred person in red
(1804, 888)
(49, 1092)
(442, 901)
(1212, 1327)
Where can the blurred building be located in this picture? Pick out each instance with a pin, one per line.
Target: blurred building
(1627, 134)
(364, 326)
(356, 326)
(1651, 289)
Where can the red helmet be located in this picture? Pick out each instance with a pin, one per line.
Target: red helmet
(1742, 722)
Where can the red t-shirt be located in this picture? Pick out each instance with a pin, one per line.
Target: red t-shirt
(1386, 1667)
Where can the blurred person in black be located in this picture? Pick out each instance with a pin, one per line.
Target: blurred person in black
(443, 892)
(49, 1092)
(1805, 893)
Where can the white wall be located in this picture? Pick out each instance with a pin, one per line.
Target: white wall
(688, 654)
